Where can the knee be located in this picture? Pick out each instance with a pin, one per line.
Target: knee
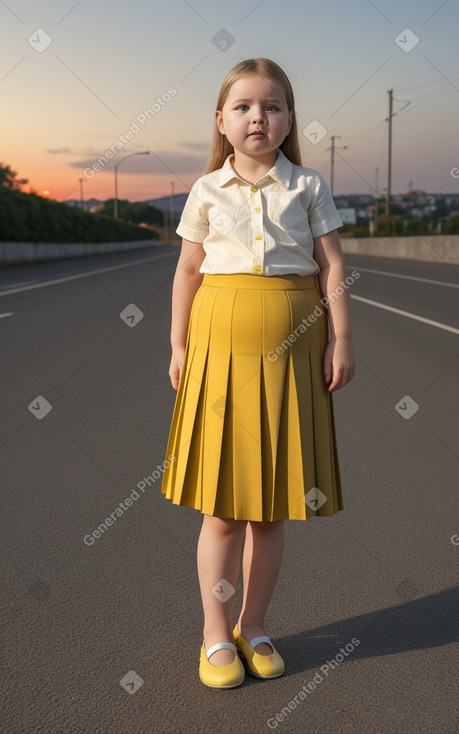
(225, 525)
(267, 525)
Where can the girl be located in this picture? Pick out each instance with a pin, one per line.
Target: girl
(252, 439)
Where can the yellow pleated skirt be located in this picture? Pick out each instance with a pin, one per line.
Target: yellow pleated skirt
(252, 435)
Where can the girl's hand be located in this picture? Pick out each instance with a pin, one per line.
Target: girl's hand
(175, 369)
(339, 363)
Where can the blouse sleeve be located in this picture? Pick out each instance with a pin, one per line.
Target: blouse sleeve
(323, 215)
(194, 222)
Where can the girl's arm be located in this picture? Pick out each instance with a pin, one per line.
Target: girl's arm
(187, 280)
(339, 363)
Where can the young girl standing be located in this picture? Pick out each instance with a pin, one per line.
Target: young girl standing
(252, 436)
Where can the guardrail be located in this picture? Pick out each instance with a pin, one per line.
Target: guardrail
(15, 253)
(431, 248)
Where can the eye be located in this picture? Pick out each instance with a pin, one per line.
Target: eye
(244, 105)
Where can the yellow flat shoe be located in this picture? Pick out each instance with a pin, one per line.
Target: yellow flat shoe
(261, 666)
(220, 676)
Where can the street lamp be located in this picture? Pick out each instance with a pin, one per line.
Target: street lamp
(115, 203)
(81, 182)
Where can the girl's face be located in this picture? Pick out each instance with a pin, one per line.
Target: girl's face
(255, 103)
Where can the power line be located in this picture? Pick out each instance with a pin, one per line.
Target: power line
(431, 96)
(367, 132)
(423, 73)
(437, 80)
(407, 102)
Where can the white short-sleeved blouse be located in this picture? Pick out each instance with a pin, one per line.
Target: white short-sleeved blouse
(265, 228)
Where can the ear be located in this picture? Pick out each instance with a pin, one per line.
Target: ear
(219, 121)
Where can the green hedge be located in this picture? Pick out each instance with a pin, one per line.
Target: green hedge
(30, 218)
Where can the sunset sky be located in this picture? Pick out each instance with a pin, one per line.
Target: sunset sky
(76, 75)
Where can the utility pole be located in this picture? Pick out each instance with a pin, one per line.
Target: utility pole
(376, 199)
(389, 162)
(389, 165)
(172, 210)
(332, 169)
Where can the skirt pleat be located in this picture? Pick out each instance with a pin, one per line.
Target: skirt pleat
(252, 435)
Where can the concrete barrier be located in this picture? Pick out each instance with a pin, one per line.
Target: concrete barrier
(434, 248)
(14, 253)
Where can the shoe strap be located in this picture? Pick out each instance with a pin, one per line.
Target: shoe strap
(257, 640)
(220, 646)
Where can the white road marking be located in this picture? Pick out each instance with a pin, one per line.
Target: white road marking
(161, 257)
(407, 277)
(84, 275)
(408, 314)
(25, 282)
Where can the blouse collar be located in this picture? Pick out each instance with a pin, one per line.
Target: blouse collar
(280, 172)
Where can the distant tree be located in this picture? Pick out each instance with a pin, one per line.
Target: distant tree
(442, 209)
(8, 178)
(388, 226)
(30, 218)
(396, 209)
(135, 213)
(354, 230)
(451, 226)
(417, 227)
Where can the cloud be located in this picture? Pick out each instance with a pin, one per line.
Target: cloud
(195, 145)
(161, 162)
(59, 151)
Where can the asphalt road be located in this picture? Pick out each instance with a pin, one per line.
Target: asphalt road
(78, 618)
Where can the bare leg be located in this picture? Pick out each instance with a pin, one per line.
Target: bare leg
(263, 551)
(219, 557)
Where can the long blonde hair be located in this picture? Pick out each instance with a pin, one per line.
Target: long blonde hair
(221, 147)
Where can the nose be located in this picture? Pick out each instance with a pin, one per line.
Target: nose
(258, 114)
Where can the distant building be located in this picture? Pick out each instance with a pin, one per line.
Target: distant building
(348, 215)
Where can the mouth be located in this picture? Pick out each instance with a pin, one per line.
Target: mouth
(257, 134)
